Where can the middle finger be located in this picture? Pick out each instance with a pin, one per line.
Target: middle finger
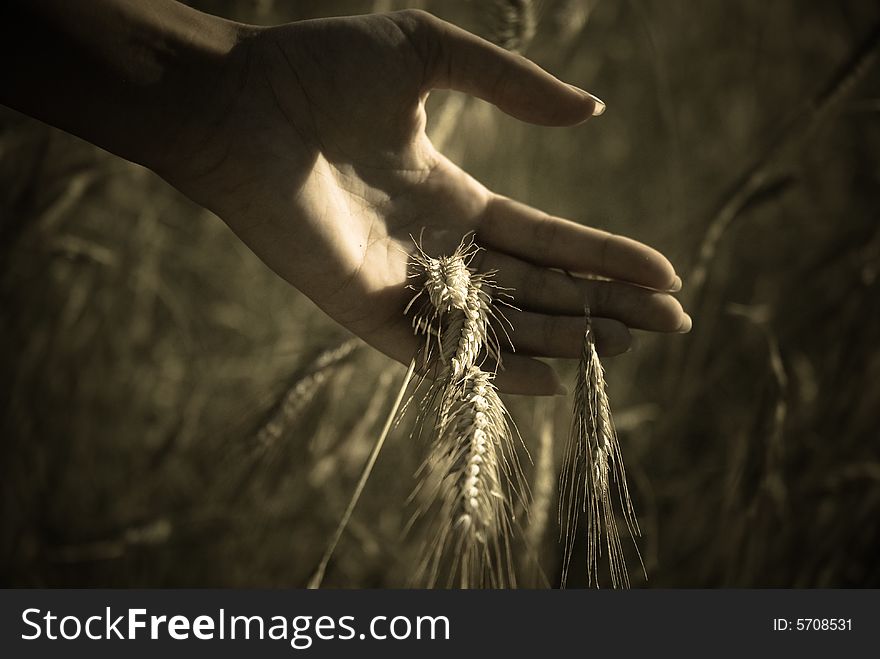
(548, 291)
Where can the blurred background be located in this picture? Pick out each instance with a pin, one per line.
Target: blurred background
(174, 414)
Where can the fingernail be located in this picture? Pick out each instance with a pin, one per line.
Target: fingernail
(599, 104)
(686, 324)
(676, 285)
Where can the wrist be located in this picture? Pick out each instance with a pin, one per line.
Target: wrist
(202, 61)
(130, 76)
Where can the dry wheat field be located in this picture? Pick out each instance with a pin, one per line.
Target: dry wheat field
(176, 415)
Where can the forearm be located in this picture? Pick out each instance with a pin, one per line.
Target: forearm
(132, 76)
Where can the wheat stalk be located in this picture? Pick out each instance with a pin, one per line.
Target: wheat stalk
(443, 286)
(287, 411)
(592, 461)
(760, 173)
(512, 23)
(454, 308)
(473, 460)
(318, 576)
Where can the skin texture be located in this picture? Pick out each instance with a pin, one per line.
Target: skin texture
(309, 140)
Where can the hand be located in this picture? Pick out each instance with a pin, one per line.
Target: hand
(317, 158)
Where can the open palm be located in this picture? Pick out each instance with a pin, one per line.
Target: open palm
(320, 163)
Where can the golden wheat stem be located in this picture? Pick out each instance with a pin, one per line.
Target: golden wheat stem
(318, 576)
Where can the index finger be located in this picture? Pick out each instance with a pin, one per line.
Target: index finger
(534, 236)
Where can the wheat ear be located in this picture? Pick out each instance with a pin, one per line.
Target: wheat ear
(512, 23)
(592, 461)
(473, 460)
(287, 411)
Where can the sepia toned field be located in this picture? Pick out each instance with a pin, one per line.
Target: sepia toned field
(175, 414)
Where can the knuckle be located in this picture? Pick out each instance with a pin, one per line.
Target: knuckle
(533, 282)
(413, 17)
(483, 261)
(599, 296)
(426, 33)
(423, 16)
(545, 232)
(548, 334)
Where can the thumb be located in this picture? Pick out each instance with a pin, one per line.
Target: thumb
(465, 62)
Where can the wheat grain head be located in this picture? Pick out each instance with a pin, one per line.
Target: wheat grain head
(591, 463)
(473, 463)
(478, 475)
